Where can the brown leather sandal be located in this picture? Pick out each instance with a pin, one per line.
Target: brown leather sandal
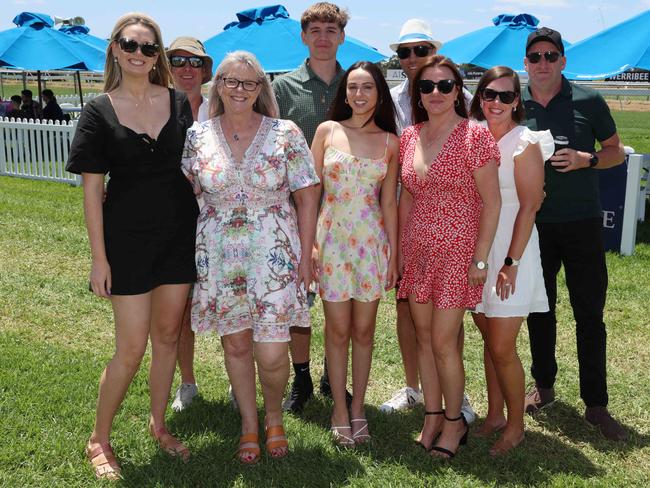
(103, 462)
(170, 444)
(250, 438)
(276, 439)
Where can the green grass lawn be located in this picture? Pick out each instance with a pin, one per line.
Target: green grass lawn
(55, 338)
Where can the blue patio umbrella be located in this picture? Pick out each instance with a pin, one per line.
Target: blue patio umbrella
(81, 32)
(274, 38)
(502, 44)
(612, 51)
(34, 45)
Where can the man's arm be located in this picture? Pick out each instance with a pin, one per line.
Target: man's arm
(611, 154)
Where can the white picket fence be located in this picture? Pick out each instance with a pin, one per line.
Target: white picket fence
(36, 149)
(74, 98)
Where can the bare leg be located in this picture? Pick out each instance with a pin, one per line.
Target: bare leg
(273, 366)
(445, 330)
(502, 343)
(338, 316)
(300, 341)
(407, 343)
(238, 356)
(167, 306)
(132, 318)
(186, 347)
(422, 318)
(495, 419)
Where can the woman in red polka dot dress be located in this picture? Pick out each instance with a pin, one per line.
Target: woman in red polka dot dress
(449, 209)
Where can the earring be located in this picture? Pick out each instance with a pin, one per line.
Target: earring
(346, 101)
(115, 59)
(154, 68)
(514, 109)
(457, 103)
(420, 103)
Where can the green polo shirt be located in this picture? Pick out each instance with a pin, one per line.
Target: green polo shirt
(580, 114)
(305, 98)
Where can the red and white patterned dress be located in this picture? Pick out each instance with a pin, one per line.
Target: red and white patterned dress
(439, 237)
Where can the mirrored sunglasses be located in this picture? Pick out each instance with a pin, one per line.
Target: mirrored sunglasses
(149, 49)
(550, 56)
(444, 86)
(180, 61)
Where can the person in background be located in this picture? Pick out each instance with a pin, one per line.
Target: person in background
(356, 156)
(415, 47)
(253, 246)
(191, 67)
(142, 236)
(30, 107)
(16, 112)
(570, 225)
(52, 110)
(305, 96)
(448, 214)
(515, 285)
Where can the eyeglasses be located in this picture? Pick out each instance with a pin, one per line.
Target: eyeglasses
(419, 51)
(550, 56)
(490, 95)
(233, 84)
(180, 61)
(149, 49)
(444, 86)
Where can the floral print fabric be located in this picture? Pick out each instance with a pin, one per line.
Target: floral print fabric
(352, 243)
(247, 242)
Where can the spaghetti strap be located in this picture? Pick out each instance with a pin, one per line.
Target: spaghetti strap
(331, 132)
(386, 149)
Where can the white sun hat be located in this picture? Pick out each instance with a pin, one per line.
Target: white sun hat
(416, 30)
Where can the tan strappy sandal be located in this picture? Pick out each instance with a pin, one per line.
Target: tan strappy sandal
(170, 444)
(103, 461)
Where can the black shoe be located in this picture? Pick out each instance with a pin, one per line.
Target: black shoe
(326, 390)
(302, 389)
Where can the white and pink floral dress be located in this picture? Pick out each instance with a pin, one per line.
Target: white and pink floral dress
(247, 242)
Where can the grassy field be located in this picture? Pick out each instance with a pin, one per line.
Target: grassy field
(55, 338)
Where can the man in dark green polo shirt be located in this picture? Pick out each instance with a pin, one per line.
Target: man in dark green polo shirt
(570, 225)
(304, 96)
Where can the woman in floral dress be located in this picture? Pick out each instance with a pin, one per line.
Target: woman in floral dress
(356, 252)
(449, 209)
(253, 246)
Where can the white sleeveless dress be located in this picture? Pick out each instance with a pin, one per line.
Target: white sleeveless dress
(530, 294)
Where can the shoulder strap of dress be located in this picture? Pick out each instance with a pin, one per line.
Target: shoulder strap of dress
(386, 148)
(332, 131)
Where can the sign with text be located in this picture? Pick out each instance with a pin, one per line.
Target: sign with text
(612, 183)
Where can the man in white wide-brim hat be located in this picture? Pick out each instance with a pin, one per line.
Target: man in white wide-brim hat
(415, 47)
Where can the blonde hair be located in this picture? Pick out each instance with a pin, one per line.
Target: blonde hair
(265, 103)
(160, 75)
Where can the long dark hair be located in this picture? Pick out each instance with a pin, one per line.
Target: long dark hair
(419, 113)
(384, 114)
(488, 77)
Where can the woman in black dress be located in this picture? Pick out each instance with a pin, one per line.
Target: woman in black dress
(142, 237)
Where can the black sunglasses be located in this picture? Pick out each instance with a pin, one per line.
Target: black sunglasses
(149, 49)
(550, 56)
(489, 95)
(419, 51)
(444, 86)
(180, 61)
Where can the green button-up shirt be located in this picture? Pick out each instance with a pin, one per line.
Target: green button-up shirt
(305, 98)
(581, 115)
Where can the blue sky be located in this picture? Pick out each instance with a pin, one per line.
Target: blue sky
(375, 22)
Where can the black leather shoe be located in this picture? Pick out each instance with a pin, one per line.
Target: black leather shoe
(302, 389)
(326, 390)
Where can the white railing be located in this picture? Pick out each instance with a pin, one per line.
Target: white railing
(36, 149)
(74, 98)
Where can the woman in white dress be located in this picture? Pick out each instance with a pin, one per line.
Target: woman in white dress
(515, 285)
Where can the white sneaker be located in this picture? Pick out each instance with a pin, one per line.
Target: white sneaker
(467, 410)
(233, 400)
(185, 393)
(403, 399)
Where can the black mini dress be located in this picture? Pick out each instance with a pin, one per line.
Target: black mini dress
(150, 210)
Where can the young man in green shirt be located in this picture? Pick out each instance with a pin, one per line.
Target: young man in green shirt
(570, 225)
(305, 96)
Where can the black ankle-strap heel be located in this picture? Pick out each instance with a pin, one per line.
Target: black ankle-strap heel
(461, 442)
(427, 449)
